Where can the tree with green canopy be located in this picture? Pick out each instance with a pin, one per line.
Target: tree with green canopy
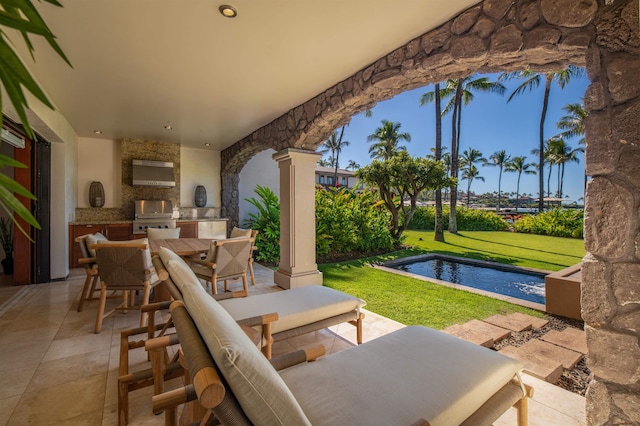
(400, 180)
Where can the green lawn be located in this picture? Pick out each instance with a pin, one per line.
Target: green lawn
(412, 301)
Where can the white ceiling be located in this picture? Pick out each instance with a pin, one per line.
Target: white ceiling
(141, 64)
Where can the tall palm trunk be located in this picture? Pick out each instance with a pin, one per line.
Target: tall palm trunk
(543, 115)
(455, 124)
(439, 225)
(518, 191)
(335, 175)
(499, 188)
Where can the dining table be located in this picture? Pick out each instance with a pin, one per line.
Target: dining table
(181, 246)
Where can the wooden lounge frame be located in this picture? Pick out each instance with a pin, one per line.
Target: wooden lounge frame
(216, 398)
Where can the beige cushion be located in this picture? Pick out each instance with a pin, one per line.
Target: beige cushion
(295, 307)
(93, 239)
(240, 233)
(180, 273)
(410, 374)
(262, 394)
(161, 234)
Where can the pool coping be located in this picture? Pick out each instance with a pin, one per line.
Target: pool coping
(386, 266)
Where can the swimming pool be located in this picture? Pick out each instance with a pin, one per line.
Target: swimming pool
(492, 277)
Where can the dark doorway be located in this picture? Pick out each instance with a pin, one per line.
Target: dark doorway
(32, 253)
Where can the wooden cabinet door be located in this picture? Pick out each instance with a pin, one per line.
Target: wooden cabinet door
(119, 231)
(188, 229)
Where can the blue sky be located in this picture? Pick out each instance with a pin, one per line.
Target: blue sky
(489, 124)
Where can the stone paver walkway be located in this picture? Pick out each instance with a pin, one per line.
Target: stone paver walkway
(545, 357)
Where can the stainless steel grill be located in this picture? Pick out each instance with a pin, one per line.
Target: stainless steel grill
(153, 214)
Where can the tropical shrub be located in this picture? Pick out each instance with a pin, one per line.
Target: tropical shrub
(467, 219)
(348, 222)
(267, 222)
(556, 222)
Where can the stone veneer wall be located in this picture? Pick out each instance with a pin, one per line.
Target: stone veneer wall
(139, 149)
(505, 35)
(611, 271)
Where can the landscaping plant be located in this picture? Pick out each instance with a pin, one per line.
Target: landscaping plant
(267, 222)
(556, 222)
(468, 219)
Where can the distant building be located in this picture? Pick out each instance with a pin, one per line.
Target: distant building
(325, 177)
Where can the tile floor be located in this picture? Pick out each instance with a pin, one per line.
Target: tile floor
(56, 371)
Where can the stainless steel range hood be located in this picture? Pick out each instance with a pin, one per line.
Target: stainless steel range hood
(158, 174)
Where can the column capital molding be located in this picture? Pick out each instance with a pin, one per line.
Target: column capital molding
(288, 153)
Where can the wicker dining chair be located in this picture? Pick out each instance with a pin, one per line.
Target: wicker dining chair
(226, 259)
(124, 266)
(88, 261)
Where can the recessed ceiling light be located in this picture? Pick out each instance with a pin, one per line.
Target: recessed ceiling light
(228, 11)
(168, 127)
(207, 144)
(97, 132)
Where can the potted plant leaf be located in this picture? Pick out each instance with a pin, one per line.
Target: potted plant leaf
(6, 239)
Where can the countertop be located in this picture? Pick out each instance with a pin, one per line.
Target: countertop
(115, 222)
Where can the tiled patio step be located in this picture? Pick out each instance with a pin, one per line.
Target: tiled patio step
(515, 322)
(535, 364)
(470, 334)
(494, 332)
(570, 338)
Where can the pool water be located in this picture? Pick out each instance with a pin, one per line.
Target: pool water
(522, 285)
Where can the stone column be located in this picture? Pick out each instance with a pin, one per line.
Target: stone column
(611, 270)
(297, 266)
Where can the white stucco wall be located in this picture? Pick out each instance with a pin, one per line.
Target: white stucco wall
(260, 170)
(99, 160)
(199, 167)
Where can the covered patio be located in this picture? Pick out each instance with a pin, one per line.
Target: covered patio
(58, 371)
(427, 42)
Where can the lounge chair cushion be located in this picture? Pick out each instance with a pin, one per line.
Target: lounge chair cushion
(261, 392)
(240, 233)
(93, 239)
(181, 274)
(160, 234)
(413, 373)
(295, 307)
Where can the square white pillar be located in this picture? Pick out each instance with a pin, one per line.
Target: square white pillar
(297, 267)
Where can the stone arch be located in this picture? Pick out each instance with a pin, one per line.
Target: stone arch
(505, 35)
(496, 35)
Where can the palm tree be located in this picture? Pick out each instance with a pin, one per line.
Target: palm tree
(498, 159)
(387, 139)
(572, 124)
(561, 153)
(470, 157)
(335, 145)
(519, 165)
(469, 174)
(532, 80)
(467, 160)
(323, 163)
(353, 165)
(462, 92)
(437, 151)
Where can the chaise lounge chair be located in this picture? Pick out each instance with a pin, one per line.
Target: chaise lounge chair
(413, 376)
(299, 311)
